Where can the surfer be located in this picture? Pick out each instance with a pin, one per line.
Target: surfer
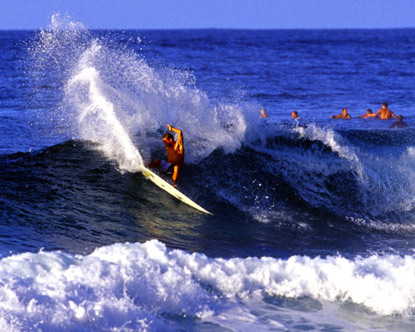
(399, 123)
(385, 113)
(263, 114)
(344, 115)
(175, 154)
(294, 115)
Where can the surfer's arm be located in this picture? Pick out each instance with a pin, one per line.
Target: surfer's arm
(374, 115)
(179, 144)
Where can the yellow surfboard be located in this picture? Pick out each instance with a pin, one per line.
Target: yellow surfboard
(159, 182)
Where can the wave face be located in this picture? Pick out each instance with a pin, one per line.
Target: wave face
(358, 174)
(121, 102)
(146, 287)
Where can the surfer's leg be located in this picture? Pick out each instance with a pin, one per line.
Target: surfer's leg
(175, 173)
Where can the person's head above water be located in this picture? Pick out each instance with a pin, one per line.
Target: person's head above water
(263, 114)
(294, 114)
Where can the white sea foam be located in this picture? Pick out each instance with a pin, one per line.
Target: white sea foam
(136, 287)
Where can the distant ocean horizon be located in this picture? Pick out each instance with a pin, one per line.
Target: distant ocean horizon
(312, 225)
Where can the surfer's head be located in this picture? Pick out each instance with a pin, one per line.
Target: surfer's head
(168, 139)
(294, 114)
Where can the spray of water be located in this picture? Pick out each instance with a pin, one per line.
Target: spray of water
(98, 122)
(112, 97)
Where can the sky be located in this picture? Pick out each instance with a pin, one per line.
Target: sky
(232, 14)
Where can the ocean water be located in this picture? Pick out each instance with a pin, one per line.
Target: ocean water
(313, 226)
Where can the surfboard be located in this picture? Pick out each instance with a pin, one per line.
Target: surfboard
(159, 182)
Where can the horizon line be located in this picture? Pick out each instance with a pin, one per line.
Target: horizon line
(235, 29)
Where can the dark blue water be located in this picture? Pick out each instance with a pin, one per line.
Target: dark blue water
(313, 219)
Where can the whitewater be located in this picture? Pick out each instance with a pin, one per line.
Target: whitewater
(133, 287)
